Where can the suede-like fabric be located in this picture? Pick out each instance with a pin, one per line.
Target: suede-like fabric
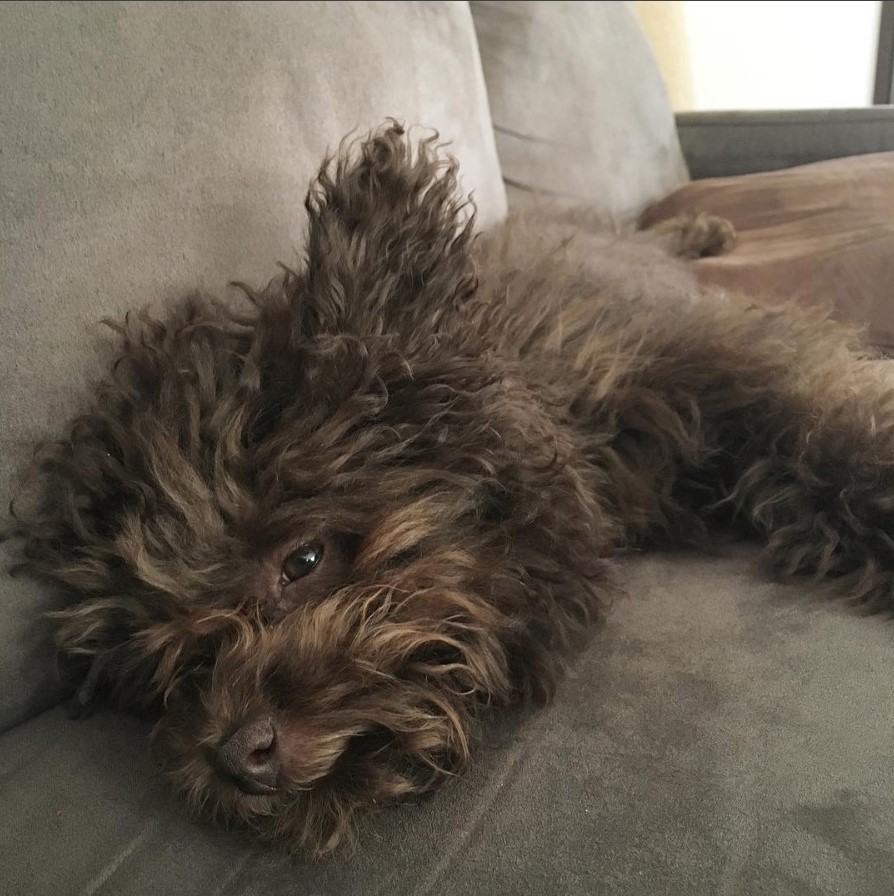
(149, 149)
(720, 735)
(818, 234)
(579, 108)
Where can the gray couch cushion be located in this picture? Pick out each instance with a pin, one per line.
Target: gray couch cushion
(579, 107)
(151, 148)
(720, 735)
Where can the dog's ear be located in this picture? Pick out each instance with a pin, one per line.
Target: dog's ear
(389, 237)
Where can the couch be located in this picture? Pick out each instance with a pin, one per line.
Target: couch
(721, 734)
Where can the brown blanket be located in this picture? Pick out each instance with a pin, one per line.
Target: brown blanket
(816, 234)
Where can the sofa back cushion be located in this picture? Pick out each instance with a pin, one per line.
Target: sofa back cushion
(580, 111)
(150, 149)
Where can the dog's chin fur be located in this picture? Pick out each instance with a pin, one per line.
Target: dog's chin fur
(466, 455)
(372, 700)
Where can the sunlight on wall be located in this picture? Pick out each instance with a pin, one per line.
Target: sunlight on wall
(764, 54)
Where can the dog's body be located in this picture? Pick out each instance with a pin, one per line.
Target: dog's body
(326, 532)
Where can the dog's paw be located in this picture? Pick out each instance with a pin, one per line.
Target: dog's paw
(712, 235)
(697, 235)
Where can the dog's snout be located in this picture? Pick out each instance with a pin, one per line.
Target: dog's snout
(249, 757)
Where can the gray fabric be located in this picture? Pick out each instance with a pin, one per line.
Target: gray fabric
(579, 107)
(152, 148)
(721, 144)
(720, 735)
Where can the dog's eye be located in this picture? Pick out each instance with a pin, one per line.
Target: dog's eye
(301, 561)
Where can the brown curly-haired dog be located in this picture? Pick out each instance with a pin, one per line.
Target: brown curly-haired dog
(320, 535)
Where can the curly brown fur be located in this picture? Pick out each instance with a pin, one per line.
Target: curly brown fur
(468, 431)
(696, 235)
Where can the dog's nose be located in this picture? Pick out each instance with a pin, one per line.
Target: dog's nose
(248, 757)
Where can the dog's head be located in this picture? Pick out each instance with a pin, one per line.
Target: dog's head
(317, 535)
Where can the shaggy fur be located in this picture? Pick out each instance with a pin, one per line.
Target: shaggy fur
(470, 429)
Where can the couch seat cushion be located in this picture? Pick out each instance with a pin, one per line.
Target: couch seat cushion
(719, 735)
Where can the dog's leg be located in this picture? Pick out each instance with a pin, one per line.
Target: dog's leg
(780, 418)
(695, 235)
(821, 489)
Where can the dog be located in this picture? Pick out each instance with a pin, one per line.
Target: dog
(320, 533)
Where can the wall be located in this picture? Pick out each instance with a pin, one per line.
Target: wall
(755, 54)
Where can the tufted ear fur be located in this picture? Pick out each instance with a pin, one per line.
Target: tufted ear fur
(389, 237)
